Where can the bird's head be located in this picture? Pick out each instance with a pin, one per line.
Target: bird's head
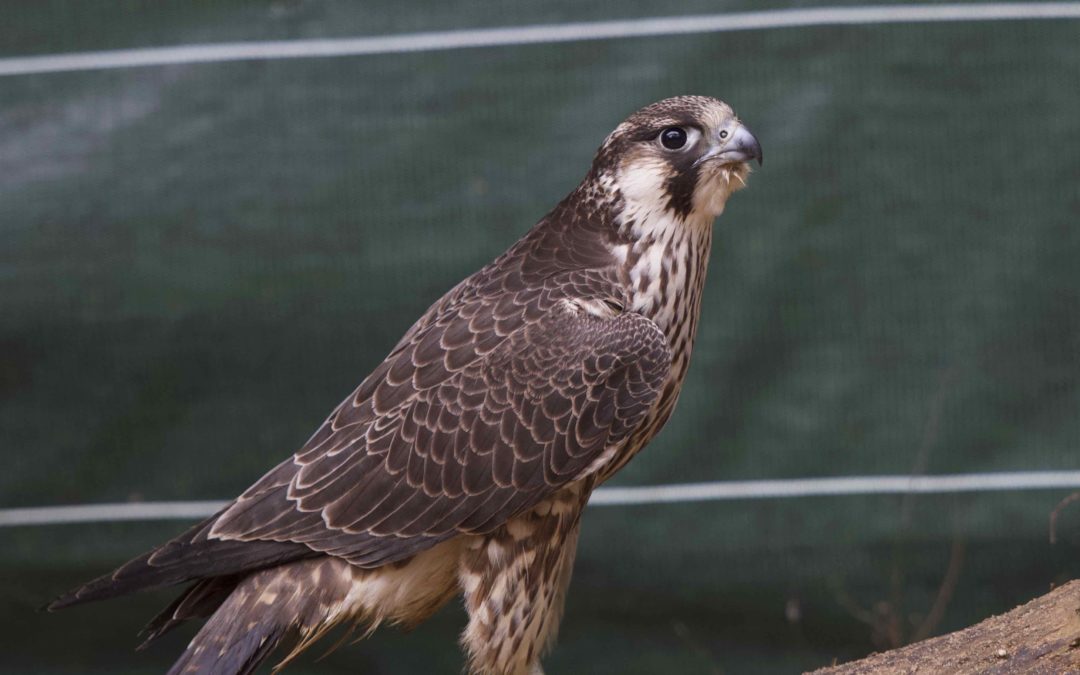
(680, 157)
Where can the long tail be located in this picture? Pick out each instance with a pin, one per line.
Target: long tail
(262, 595)
(299, 601)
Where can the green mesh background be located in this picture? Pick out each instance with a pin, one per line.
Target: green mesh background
(198, 261)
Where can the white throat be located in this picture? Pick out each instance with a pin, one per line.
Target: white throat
(664, 266)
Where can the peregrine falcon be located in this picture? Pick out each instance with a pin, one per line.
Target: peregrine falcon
(462, 463)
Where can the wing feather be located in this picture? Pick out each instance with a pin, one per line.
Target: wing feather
(484, 410)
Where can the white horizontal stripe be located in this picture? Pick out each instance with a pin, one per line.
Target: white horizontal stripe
(838, 486)
(618, 496)
(543, 34)
(108, 513)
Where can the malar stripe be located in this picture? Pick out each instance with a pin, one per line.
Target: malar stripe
(619, 496)
(541, 34)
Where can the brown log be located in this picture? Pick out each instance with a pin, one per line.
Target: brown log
(1039, 638)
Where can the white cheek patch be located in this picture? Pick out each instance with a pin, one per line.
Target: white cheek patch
(641, 181)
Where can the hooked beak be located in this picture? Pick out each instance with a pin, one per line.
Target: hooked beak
(741, 147)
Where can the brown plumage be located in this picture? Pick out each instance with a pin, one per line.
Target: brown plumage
(463, 462)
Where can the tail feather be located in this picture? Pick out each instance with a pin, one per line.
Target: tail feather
(197, 602)
(281, 598)
(297, 603)
(240, 656)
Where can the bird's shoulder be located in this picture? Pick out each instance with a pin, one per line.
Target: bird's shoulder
(478, 315)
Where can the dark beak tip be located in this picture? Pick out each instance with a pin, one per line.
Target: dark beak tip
(751, 147)
(756, 153)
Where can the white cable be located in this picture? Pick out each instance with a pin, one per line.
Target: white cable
(541, 34)
(838, 486)
(619, 496)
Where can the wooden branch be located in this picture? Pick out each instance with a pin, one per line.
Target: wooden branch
(1039, 638)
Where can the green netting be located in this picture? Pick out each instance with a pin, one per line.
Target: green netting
(198, 261)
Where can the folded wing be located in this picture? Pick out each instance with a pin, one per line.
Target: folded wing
(491, 403)
(457, 432)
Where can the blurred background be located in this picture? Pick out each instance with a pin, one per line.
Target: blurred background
(199, 260)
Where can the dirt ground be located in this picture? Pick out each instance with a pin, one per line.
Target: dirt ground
(1042, 636)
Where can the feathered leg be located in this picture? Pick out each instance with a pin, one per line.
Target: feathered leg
(514, 581)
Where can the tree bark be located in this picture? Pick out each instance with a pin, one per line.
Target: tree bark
(1041, 637)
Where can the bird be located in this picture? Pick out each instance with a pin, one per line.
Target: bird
(462, 464)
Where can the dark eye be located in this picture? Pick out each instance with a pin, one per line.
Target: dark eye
(673, 138)
(723, 134)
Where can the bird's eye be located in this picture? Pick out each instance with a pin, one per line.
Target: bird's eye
(723, 133)
(673, 138)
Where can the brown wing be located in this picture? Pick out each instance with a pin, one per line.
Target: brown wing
(495, 398)
(481, 414)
